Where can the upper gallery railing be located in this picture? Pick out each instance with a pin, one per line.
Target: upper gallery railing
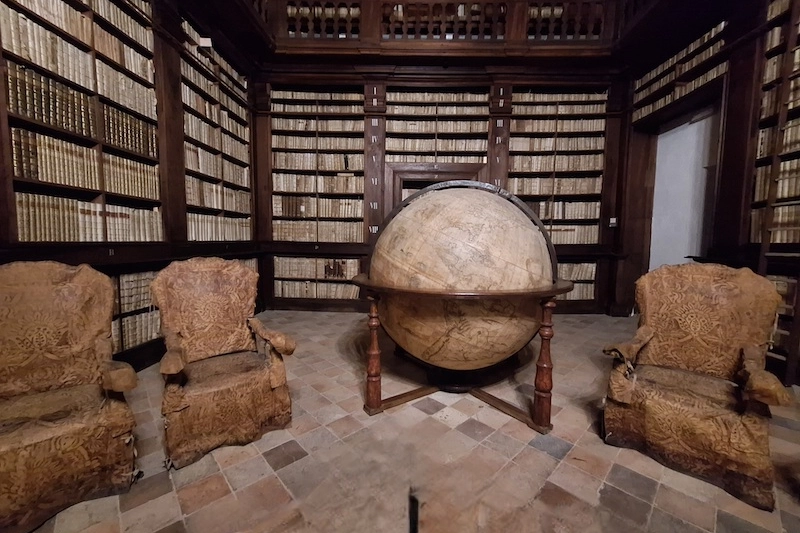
(387, 25)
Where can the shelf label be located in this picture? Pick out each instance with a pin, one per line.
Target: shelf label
(375, 122)
(373, 205)
(375, 102)
(497, 181)
(500, 123)
(373, 229)
(375, 138)
(375, 181)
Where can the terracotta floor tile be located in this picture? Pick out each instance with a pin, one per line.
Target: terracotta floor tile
(85, 514)
(475, 429)
(429, 405)
(503, 444)
(145, 490)
(344, 426)
(247, 472)
(590, 463)
(227, 456)
(625, 505)
(553, 446)
(577, 482)
(284, 454)
(728, 523)
(688, 509)
(662, 522)
(152, 515)
(195, 471)
(640, 463)
(201, 493)
(632, 482)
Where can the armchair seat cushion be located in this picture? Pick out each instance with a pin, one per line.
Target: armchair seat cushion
(237, 392)
(57, 443)
(697, 424)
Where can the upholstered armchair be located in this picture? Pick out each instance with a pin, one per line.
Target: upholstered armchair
(65, 429)
(690, 389)
(225, 376)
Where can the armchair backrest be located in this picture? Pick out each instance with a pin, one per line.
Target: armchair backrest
(205, 303)
(55, 326)
(703, 314)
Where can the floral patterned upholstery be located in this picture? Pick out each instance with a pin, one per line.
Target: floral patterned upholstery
(226, 380)
(65, 429)
(688, 389)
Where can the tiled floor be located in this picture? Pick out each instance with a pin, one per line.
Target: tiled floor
(470, 467)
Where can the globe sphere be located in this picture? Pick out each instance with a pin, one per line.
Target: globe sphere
(461, 239)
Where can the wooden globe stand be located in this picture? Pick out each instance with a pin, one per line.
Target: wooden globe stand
(537, 416)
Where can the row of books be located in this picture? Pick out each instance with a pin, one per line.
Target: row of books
(124, 224)
(437, 97)
(669, 63)
(121, 54)
(202, 131)
(45, 100)
(766, 139)
(135, 330)
(786, 216)
(236, 174)
(436, 145)
(784, 235)
(319, 125)
(556, 144)
(199, 103)
(788, 179)
(756, 224)
(559, 109)
(56, 219)
(126, 91)
(214, 228)
(312, 207)
(521, 95)
(233, 106)
(124, 22)
(793, 98)
(281, 94)
(317, 161)
(761, 186)
(791, 136)
(772, 69)
(313, 268)
(317, 231)
(787, 288)
(234, 126)
(774, 38)
(681, 90)
(39, 157)
(581, 291)
(650, 89)
(213, 195)
(63, 16)
(547, 210)
(134, 291)
(128, 132)
(769, 102)
(577, 271)
(194, 37)
(301, 106)
(705, 55)
(432, 125)
(556, 163)
(201, 80)
(313, 289)
(413, 158)
(555, 185)
(777, 7)
(436, 110)
(557, 126)
(201, 160)
(124, 176)
(312, 143)
(342, 183)
(33, 42)
(573, 234)
(235, 148)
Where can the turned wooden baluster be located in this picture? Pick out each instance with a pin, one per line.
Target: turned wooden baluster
(543, 383)
(372, 404)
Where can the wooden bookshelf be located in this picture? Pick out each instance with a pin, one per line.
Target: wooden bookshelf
(216, 143)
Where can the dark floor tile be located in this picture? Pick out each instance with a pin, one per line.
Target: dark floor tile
(786, 422)
(728, 523)
(625, 505)
(475, 429)
(145, 490)
(175, 527)
(791, 523)
(633, 483)
(551, 445)
(429, 406)
(284, 455)
(661, 522)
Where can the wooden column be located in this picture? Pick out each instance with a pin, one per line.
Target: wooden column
(543, 383)
(372, 404)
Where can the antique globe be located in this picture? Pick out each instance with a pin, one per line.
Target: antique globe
(461, 237)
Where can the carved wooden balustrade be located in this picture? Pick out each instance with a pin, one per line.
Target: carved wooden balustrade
(433, 27)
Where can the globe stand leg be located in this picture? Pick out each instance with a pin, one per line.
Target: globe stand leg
(373, 403)
(543, 382)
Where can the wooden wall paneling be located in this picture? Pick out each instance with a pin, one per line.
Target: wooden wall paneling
(262, 161)
(635, 197)
(8, 217)
(169, 109)
(375, 184)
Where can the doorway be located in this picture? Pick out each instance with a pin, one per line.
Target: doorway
(685, 189)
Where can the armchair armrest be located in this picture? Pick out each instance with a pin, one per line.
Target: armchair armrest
(283, 344)
(173, 361)
(622, 382)
(118, 377)
(759, 384)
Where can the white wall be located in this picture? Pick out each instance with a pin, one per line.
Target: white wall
(680, 192)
